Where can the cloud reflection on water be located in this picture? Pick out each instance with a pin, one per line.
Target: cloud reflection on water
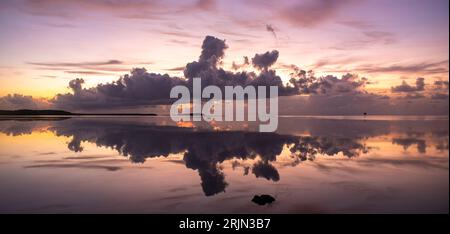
(205, 150)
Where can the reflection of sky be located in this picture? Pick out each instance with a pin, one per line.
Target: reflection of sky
(327, 36)
(363, 166)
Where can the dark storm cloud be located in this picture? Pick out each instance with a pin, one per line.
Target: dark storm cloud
(213, 49)
(405, 87)
(264, 61)
(141, 87)
(206, 68)
(137, 88)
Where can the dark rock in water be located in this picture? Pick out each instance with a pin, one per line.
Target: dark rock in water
(365, 113)
(263, 199)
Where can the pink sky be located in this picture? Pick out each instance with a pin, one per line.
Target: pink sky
(46, 43)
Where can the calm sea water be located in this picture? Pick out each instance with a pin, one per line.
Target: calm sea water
(313, 164)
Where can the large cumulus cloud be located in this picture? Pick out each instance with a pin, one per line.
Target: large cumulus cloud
(137, 88)
(206, 68)
(335, 95)
(142, 87)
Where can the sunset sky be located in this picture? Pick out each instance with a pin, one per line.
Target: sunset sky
(45, 44)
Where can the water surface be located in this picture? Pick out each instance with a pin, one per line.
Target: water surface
(312, 164)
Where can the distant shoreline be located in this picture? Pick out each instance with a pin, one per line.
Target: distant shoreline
(26, 112)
